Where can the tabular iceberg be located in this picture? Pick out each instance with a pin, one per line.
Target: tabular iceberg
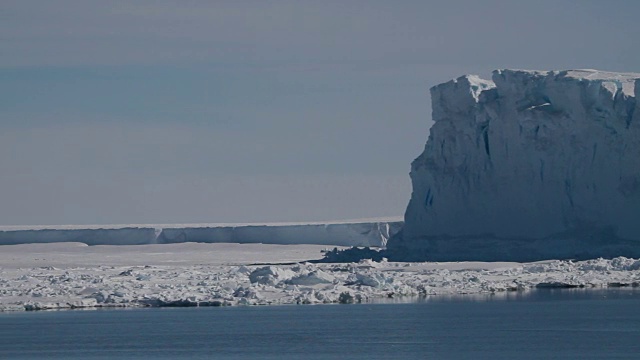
(532, 165)
(366, 232)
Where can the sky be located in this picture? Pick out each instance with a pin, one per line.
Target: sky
(123, 112)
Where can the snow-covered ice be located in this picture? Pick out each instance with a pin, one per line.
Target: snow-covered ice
(531, 165)
(73, 275)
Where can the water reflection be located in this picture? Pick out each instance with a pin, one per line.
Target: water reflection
(545, 294)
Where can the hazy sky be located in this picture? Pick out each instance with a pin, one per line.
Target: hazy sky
(243, 111)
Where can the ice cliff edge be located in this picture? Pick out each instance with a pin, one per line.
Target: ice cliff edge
(531, 165)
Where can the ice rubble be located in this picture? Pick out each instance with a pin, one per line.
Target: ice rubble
(532, 165)
(305, 283)
(368, 232)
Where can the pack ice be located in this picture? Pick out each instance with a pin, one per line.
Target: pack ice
(73, 275)
(531, 165)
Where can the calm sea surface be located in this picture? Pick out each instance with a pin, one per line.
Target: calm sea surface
(544, 324)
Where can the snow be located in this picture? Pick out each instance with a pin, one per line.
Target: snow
(73, 275)
(363, 232)
(531, 165)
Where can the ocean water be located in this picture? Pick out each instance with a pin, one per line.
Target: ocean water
(541, 324)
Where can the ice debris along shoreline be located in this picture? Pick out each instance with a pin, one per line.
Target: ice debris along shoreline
(530, 165)
(363, 232)
(43, 288)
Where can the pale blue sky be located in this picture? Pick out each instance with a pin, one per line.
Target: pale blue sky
(243, 111)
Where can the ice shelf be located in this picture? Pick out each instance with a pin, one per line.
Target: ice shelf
(367, 232)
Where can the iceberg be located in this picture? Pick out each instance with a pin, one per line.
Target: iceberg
(366, 232)
(531, 165)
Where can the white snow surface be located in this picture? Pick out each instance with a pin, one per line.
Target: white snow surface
(363, 232)
(74, 275)
(530, 165)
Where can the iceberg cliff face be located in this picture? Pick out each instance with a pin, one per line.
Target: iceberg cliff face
(529, 166)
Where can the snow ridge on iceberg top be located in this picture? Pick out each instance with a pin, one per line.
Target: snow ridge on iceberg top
(587, 74)
(476, 85)
(623, 81)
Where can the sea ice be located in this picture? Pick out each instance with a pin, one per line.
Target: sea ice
(140, 278)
